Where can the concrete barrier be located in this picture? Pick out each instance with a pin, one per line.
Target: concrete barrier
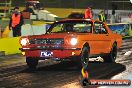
(28, 29)
(51, 17)
(38, 30)
(33, 29)
(33, 17)
(46, 15)
(10, 45)
(42, 14)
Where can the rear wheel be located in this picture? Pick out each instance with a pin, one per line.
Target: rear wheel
(111, 57)
(32, 63)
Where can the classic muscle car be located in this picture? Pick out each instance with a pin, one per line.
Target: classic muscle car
(66, 39)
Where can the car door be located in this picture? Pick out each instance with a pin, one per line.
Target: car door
(101, 38)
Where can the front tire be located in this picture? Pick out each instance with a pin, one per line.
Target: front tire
(32, 63)
(111, 57)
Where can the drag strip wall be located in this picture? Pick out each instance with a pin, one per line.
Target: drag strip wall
(10, 45)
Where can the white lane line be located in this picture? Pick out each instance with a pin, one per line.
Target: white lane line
(128, 53)
(98, 59)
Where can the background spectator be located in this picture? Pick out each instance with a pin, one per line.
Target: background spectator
(101, 16)
(16, 21)
(88, 13)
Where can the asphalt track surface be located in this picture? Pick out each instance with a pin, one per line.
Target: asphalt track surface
(51, 74)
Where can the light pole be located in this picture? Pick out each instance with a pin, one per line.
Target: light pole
(131, 1)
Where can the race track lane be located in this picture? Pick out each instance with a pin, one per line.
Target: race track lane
(63, 75)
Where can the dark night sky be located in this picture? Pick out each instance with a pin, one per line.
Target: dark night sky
(96, 4)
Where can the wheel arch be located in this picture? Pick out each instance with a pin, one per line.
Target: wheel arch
(86, 44)
(112, 43)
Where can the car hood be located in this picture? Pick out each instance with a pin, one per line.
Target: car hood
(54, 35)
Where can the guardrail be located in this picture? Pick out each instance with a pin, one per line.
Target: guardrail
(10, 45)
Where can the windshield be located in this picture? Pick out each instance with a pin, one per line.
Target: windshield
(71, 26)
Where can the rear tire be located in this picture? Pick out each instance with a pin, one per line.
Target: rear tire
(111, 57)
(32, 63)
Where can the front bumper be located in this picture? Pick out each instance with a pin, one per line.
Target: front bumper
(57, 52)
(32, 49)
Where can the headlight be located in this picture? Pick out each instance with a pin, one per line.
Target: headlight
(73, 41)
(24, 41)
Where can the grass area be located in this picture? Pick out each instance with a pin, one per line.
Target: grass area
(61, 12)
(41, 22)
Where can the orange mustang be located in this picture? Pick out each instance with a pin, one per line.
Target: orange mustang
(69, 38)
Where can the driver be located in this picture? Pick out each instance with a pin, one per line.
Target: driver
(69, 27)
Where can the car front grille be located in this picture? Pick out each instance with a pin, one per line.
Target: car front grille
(47, 41)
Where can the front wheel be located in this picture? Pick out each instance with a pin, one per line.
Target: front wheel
(111, 57)
(32, 63)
